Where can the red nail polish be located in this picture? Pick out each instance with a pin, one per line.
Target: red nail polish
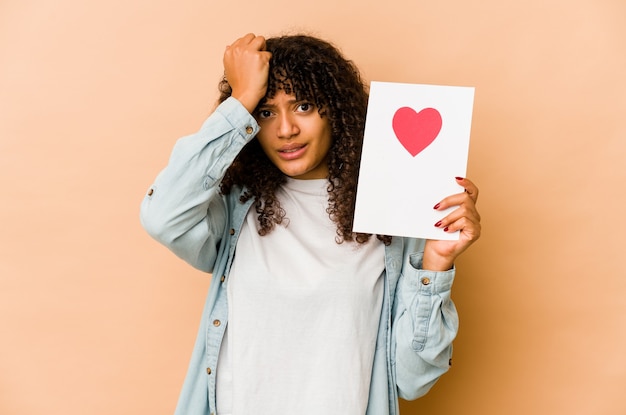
(459, 178)
(438, 224)
(445, 229)
(437, 206)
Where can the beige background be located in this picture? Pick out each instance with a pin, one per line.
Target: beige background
(96, 318)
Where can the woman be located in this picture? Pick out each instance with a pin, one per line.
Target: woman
(303, 316)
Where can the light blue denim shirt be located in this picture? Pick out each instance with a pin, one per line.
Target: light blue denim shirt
(184, 211)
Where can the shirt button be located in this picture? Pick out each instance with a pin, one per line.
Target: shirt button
(217, 323)
(425, 281)
(232, 231)
(223, 278)
(208, 370)
(249, 130)
(150, 192)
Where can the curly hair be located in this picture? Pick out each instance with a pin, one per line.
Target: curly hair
(312, 70)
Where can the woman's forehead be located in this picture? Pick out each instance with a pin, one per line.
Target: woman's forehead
(288, 87)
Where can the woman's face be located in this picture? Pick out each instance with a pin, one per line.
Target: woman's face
(294, 136)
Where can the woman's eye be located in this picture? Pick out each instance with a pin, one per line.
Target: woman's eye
(304, 107)
(264, 114)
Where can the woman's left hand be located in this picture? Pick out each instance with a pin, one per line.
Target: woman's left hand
(440, 255)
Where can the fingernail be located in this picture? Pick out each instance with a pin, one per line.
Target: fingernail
(438, 224)
(445, 229)
(437, 206)
(459, 178)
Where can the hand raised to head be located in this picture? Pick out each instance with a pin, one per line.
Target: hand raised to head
(246, 67)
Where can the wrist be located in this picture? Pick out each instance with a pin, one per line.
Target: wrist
(248, 103)
(437, 266)
(248, 97)
(434, 262)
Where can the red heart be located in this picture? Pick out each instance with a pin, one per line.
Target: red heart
(416, 130)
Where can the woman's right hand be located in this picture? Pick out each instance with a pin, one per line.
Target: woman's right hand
(246, 67)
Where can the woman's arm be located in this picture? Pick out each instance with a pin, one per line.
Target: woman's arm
(424, 326)
(425, 319)
(183, 209)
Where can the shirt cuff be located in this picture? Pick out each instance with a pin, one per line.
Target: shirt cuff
(431, 282)
(238, 116)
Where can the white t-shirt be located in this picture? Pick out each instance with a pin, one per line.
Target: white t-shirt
(303, 314)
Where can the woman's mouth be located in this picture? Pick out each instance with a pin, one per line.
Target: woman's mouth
(292, 151)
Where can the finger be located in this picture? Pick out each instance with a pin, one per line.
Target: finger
(470, 188)
(469, 229)
(455, 200)
(258, 43)
(241, 41)
(251, 41)
(242, 48)
(467, 211)
(247, 38)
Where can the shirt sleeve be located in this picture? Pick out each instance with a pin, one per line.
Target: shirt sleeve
(183, 208)
(425, 324)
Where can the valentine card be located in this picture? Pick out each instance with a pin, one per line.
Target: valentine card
(416, 142)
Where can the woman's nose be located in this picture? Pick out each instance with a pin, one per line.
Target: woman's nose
(287, 126)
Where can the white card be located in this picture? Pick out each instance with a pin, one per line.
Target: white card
(416, 142)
